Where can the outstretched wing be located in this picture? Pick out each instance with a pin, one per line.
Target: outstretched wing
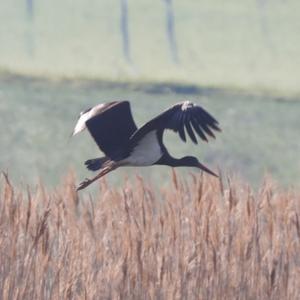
(184, 117)
(110, 124)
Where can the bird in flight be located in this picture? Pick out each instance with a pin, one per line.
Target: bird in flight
(116, 134)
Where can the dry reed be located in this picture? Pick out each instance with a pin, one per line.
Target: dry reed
(195, 240)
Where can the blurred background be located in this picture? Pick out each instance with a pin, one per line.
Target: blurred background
(238, 59)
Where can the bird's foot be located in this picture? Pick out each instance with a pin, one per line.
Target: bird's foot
(84, 184)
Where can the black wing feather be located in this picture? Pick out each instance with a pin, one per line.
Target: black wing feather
(208, 131)
(112, 128)
(177, 122)
(181, 132)
(206, 118)
(191, 132)
(178, 117)
(198, 130)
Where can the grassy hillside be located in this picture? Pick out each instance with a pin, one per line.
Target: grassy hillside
(250, 44)
(197, 239)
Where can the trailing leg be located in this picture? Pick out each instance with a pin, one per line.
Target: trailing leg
(103, 172)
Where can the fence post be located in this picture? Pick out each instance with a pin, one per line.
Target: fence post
(170, 30)
(125, 30)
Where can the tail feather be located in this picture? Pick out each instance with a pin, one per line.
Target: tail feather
(96, 163)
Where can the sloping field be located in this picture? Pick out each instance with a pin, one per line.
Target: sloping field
(250, 44)
(260, 133)
(196, 239)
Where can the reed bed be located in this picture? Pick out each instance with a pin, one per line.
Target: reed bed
(199, 238)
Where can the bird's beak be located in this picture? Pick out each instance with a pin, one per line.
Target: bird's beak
(207, 170)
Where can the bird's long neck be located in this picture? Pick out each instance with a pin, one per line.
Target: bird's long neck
(168, 160)
(187, 161)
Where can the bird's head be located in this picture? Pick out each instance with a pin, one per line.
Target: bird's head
(191, 161)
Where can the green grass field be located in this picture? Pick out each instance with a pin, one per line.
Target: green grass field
(260, 133)
(234, 44)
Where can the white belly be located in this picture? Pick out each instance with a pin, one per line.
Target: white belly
(146, 153)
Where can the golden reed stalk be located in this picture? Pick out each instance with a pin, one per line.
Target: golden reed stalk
(197, 239)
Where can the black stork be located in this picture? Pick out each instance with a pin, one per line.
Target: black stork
(114, 130)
